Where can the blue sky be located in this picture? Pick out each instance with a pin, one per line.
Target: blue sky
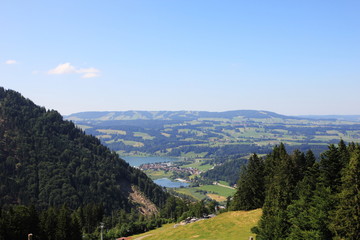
(290, 57)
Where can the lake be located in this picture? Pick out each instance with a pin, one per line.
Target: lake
(137, 161)
(165, 182)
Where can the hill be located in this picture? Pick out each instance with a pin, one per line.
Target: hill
(227, 226)
(171, 115)
(211, 134)
(46, 161)
(351, 118)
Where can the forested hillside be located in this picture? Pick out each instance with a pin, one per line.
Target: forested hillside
(46, 161)
(302, 198)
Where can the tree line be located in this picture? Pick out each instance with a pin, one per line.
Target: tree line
(59, 223)
(303, 198)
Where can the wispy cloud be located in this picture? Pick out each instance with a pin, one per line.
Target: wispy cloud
(67, 68)
(90, 75)
(89, 72)
(10, 61)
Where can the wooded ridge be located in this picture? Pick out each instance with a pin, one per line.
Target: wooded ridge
(46, 161)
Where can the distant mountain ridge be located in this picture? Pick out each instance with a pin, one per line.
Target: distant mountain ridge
(351, 118)
(209, 134)
(193, 115)
(171, 115)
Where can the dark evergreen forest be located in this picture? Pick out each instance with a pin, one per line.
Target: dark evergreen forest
(302, 198)
(58, 183)
(46, 161)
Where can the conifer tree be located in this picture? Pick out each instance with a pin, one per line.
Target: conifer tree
(299, 163)
(320, 206)
(309, 159)
(346, 218)
(310, 213)
(330, 168)
(302, 211)
(344, 153)
(76, 233)
(48, 223)
(279, 193)
(251, 190)
(18, 221)
(63, 224)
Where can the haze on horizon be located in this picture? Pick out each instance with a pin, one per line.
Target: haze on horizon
(292, 58)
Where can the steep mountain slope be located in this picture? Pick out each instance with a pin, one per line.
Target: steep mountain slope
(45, 161)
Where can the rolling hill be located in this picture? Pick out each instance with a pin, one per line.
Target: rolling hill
(172, 115)
(212, 134)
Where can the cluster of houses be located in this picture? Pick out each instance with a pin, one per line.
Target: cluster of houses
(193, 219)
(169, 167)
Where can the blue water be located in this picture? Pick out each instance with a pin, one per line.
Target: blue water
(137, 161)
(165, 182)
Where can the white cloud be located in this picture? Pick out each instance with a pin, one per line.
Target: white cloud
(87, 70)
(63, 69)
(67, 68)
(11, 61)
(90, 75)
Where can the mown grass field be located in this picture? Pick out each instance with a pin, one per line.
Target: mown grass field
(110, 131)
(228, 226)
(144, 136)
(224, 183)
(191, 192)
(219, 193)
(197, 165)
(216, 197)
(215, 191)
(222, 191)
(158, 174)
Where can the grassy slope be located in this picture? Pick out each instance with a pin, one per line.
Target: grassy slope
(157, 174)
(229, 225)
(191, 192)
(222, 191)
(197, 165)
(215, 190)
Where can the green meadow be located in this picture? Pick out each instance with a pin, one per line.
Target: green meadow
(226, 226)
